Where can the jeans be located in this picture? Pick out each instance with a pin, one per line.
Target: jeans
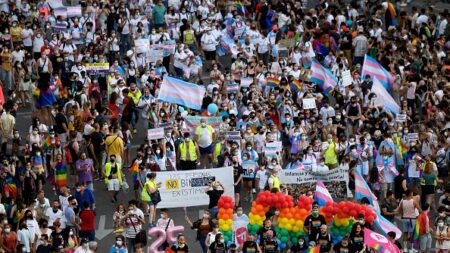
(90, 235)
(201, 240)
(130, 245)
(135, 118)
(214, 211)
(6, 79)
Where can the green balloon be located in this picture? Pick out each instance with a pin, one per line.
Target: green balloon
(284, 232)
(284, 239)
(294, 240)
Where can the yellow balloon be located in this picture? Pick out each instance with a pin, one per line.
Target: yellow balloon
(225, 227)
(284, 220)
(337, 222)
(288, 227)
(280, 225)
(345, 223)
(291, 221)
(295, 229)
(230, 222)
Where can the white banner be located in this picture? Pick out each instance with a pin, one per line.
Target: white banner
(155, 133)
(188, 188)
(309, 103)
(298, 182)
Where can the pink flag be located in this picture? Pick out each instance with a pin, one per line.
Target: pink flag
(378, 242)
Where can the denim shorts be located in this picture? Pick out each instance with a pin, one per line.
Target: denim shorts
(425, 241)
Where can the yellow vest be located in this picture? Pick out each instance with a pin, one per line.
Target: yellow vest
(192, 151)
(330, 155)
(276, 182)
(210, 130)
(108, 172)
(145, 196)
(135, 97)
(217, 149)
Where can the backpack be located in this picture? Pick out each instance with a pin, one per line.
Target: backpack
(141, 237)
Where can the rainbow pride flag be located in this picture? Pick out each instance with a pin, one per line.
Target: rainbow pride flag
(296, 85)
(273, 82)
(10, 187)
(60, 175)
(240, 7)
(134, 170)
(312, 250)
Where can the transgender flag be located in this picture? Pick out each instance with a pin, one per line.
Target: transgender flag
(362, 190)
(384, 98)
(375, 70)
(385, 226)
(322, 196)
(182, 93)
(322, 76)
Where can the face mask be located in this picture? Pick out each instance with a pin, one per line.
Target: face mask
(203, 124)
(440, 224)
(71, 233)
(35, 132)
(7, 230)
(158, 151)
(205, 216)
(38, 153)
(239, 213)
(345, 244)
(315, 213)
(119, 243)
(310, 151)
(85, 246)
(222, 240)
(187, 139)
(338, 118)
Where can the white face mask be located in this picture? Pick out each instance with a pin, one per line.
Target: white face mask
(440, 224)
(7, 230)
(119, 243)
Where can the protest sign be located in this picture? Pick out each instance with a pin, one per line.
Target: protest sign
(347, 78)
(92, 68)
(413, 136)
(400, 117)
(142, 45)
(309, 103)
(240, 231)
(187, 188)
(249, 168)
(155, 133)
(154, 55)
(233, 136)
(55, 3)
(298, 182)
(192, 122)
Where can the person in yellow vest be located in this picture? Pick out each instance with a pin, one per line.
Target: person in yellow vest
(330, 154)
(274, 180)
(189, 38)
(151, 187)
(205, 136)
(113, 177)
(188, 154)
(135, 95)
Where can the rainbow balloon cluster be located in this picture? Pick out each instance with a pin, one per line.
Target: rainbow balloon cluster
(344, 214)
(261, 206)
(225, 217)
(291, 218)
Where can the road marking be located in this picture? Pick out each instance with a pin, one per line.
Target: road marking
(102, 232)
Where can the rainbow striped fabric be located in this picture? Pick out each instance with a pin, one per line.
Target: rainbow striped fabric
(312, 250)
(296, 85)
(273, 82)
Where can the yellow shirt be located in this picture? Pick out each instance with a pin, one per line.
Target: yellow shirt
(6, 61)
(114, 146)
(16, 33)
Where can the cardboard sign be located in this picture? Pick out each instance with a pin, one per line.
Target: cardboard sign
(97, 67)
(309, 103)
(347, 78)
(413, 136)
(400, 117)
(233, 136)
(155, 133)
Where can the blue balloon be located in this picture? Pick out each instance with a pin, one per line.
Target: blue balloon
(180, 108)
(212, 108)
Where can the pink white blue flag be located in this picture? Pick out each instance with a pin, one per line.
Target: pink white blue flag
(321, 195)
(322, 76)
(182, 93)
(375, 70)
(384, 98)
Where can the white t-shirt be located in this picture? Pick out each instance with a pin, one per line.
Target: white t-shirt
(18, 56)
(26, 37)
(52, 216)
(263, 177)
(208, 42)
(24, 237)
(205, 137)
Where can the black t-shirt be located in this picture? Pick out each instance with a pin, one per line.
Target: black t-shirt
(96, 140)
(398, 189)
(270, 246)
(237, 172)
(314, 223)
(60, 119)
(324, 241)
(214, 196)
(178, 249)
(297, 248)
(262, 231)
(249, 247)
(44, 248)
(357, 240)
(216, 247)
(338, 248)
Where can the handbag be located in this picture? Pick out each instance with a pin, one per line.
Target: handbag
(141, 236)
(156, 197)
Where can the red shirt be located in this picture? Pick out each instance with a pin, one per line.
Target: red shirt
(87, 220)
